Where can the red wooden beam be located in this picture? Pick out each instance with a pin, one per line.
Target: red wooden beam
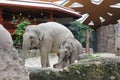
(51, 16)
(1, 16)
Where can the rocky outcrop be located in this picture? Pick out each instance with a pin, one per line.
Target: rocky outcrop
(5, 38)
(101, 68)
(11, 67)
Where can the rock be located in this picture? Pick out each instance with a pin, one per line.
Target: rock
(83, 56)
(91, 69)
(5, 38)
(11, 67)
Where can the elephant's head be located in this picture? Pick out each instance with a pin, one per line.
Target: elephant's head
(31, 38)
(66, 48)
(65, 51)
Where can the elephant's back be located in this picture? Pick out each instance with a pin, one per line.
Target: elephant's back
(51, 25)
(56, 28)
(57, 31)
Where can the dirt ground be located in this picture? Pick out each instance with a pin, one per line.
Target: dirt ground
(35, 61)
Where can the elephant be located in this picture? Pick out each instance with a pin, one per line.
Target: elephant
(6, 41)
(69, 51)
(46, 37)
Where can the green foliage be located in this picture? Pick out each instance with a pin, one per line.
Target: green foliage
(92, 56)
(19, 32)
(79, 31)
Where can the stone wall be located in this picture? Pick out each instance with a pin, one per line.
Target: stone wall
(106, 38)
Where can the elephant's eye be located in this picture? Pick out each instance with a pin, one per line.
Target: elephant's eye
(66, 51)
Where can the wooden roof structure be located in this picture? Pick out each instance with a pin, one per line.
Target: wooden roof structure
(19, 9)
(37, 7)
(95, 11)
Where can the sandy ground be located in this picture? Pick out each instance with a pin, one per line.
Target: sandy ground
(35, 61)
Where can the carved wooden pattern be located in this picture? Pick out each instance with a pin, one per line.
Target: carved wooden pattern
(95, 11)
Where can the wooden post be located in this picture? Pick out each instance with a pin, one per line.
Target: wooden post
(117, 48)
(51, 16)
(1, 16)
(87, 41)
(118, 52)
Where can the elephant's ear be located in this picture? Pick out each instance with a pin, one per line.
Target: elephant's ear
(41, 35)
(71, 47)
(61, 44)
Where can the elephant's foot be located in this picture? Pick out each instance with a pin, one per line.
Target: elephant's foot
(47, 64)
(55, 66)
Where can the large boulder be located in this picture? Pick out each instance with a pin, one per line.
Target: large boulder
(90, 69)
(5, 38)
(11, 67)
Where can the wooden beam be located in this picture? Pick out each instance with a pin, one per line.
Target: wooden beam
(1, 19)
(69, 3)
(51, 16)
(118, 52)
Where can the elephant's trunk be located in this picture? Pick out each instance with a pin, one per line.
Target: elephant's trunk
(60, 62)
(25, 48)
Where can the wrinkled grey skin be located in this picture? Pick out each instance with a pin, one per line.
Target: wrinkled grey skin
(6, 41)
(46, 37)
(69, 51)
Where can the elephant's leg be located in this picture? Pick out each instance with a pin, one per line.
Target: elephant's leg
(72, 58)
(48, 63)
(44, 57)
